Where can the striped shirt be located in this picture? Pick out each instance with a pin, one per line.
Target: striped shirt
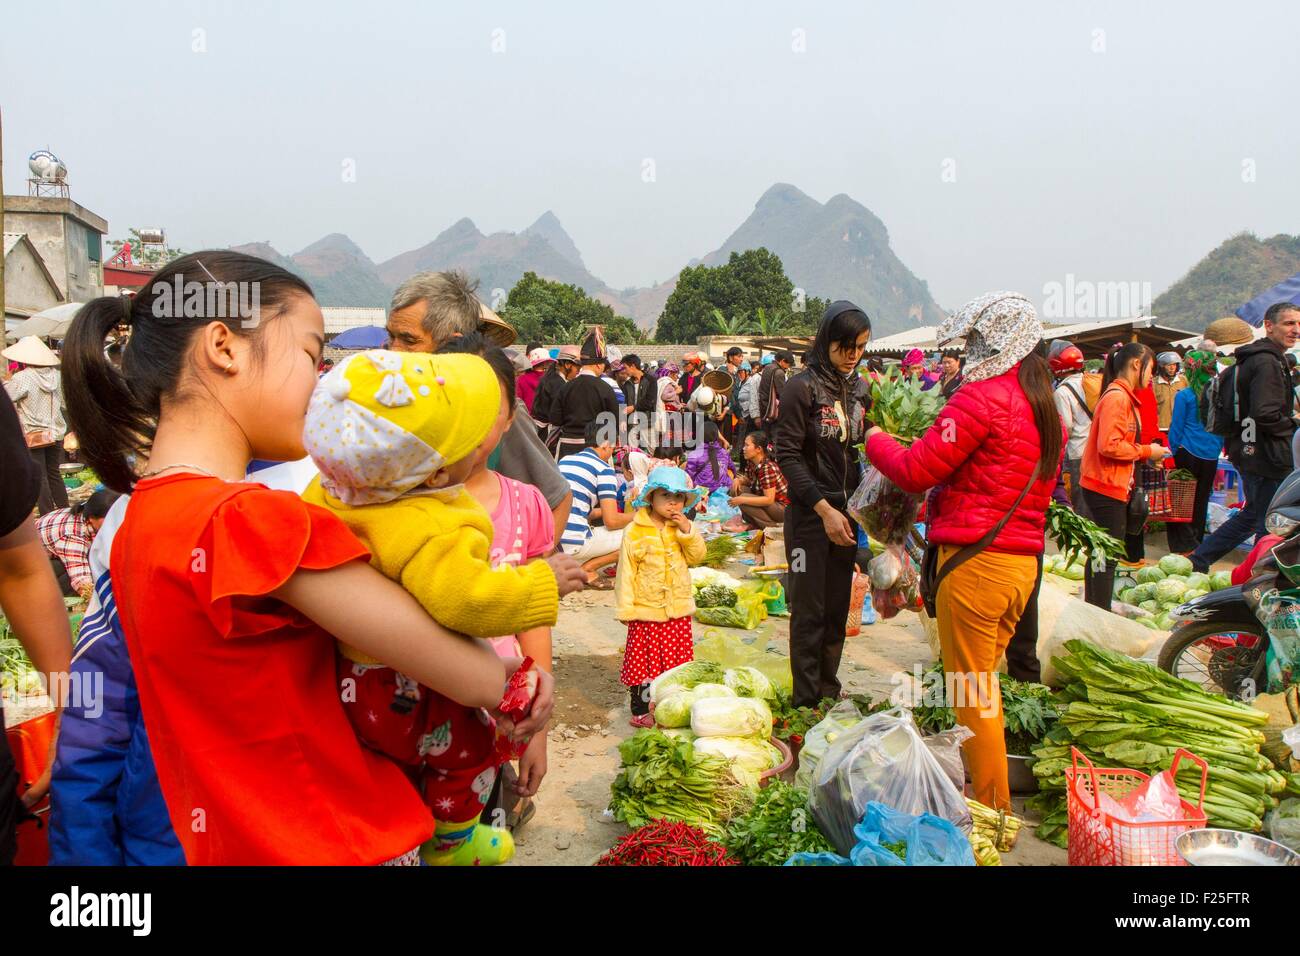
(591, 479)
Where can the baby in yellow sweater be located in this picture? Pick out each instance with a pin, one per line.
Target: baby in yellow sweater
(393, 435)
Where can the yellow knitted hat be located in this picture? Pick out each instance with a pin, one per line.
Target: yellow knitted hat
(380, 423)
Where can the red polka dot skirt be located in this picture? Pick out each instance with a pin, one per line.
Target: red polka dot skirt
(654, 647)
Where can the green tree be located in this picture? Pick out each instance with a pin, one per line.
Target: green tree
(738, 288)
(542, 310)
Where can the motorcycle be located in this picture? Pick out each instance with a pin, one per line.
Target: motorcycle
(1219, 641)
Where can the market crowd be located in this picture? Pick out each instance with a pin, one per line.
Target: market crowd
(379, 634)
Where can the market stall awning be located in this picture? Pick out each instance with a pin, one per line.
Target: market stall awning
(1094, 338)
(1288, 290)
(797, 344)
(923, 337)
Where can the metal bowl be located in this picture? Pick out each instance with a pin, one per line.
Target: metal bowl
(70, 467)
(1210, 847)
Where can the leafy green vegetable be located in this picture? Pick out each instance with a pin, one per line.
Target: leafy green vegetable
(1028, 712)
(665, 779)
(1151, 574)
(715, 595)
(1126, 713)
(776, 827)
(684, 677)
(1176, 564)
(900, 406)
(675, 711)
(749, 682)
(1079, 538)
(718, 551)
(731, 717)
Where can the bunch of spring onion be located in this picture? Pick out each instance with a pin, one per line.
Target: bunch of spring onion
(1124, 713)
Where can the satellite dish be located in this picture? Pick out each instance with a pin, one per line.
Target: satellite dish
(47, 167)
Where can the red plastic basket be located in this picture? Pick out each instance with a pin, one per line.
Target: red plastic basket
(1099, 839)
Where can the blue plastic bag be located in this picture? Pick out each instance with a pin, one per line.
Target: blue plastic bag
(720, 507)
(931, 840)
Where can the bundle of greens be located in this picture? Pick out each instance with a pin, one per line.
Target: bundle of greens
(777, 826)
(1124, 713)
(663, 778)
(1076, 537)
(900, 406)
(1028, 711)
(718, 551)
(715, 595)
(1181, 474)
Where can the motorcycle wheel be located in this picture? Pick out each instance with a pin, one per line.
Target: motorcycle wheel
(1215, 657)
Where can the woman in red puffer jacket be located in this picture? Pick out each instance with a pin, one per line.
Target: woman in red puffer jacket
(995, 449)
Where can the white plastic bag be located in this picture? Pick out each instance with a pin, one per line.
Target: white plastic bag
(842, 717)
(946, 748)
(882, 759)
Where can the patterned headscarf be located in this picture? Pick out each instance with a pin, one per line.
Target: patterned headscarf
(668, 368)
(1000, 329)
(914, 357)
(1199, 366)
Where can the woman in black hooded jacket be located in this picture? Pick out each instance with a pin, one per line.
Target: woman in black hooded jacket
(820, 421)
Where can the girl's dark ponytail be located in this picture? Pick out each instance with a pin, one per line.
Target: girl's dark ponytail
(1120, 356)
(112, 425)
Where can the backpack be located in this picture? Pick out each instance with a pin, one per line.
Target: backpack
(1221, 403)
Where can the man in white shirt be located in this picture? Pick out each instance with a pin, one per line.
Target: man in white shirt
(1067, 366)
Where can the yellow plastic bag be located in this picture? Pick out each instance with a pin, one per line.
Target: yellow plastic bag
(730, 650)
(749, 612)
(771, 592)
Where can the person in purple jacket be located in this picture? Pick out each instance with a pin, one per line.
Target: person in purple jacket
(709, 463)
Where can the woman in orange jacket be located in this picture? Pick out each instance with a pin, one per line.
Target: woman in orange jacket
(1114, 447)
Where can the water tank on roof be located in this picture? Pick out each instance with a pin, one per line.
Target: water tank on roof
(153, 237)
(47, 167)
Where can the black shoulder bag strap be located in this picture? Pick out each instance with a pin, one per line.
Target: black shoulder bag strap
(1082, 404)
(932, 575)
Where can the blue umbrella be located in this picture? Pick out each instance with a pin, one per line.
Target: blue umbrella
(1288, 290)
(362, 337)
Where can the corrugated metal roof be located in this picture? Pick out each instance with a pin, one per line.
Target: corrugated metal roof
(340, 318)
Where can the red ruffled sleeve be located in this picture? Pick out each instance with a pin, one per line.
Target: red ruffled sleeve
(254, 543)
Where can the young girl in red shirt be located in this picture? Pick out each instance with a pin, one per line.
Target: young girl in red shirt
(231, 595)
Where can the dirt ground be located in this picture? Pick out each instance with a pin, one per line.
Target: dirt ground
(591, 719)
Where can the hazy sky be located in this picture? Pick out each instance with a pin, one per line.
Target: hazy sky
(1107, 140)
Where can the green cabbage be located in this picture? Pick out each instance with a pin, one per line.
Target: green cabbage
(1220, 580)
(731, 717)
(749, 682)
(1143, 592)
(1170, 591)
(1148, 622)
(1123, 582)
(684, 677)
(675, 711)
(1198, 581)
(1153, 606)
(1150, 575)
(1176, 564)
(1192, 593)
(1074, 572)
(745, 753)
(1127, 595)
(700, 691)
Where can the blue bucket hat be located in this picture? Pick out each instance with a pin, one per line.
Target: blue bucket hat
(669, 478)
(767, 359)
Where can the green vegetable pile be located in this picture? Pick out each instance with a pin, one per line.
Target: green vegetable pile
(18, 675)
(663, 778)
(900, 406)
(1028, 712)
(776, 827)
(718, 551)
(715, 595)
(1077, 538)
(791, 723)
(1159, 588)
(1124, 713)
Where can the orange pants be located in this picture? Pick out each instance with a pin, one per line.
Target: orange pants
(978, 605)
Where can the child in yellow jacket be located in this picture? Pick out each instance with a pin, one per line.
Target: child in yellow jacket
(393, 436)
(653, 589)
